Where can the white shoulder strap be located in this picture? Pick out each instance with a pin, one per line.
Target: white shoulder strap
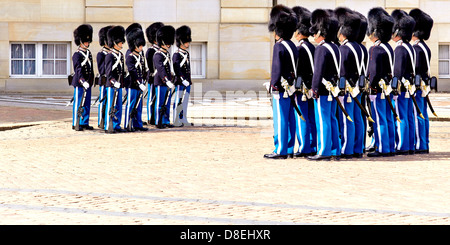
(185, 58)
(427, 57)
(86, 57)
(118, 61)
(292, 56)
(338, 66)
(391, 62)
(358, 64)
(413, 58)
(309, 55)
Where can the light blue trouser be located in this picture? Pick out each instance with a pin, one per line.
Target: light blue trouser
(160, 100)
(116, 121)
(405, 133)
(380, 126)
(132, 97)
(347, 128)
(179, 89)
(101, 105)
(77, 95)
(312, 125)
(150, 105)
(422, 125)
(390, 119)
(303, 129)
(283, 125)
(328, 143)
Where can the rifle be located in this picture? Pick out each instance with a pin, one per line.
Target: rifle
(291, 97)
(386, 92)
(414, 98)
(163, 110)
(354, 91)
(80, 110)
(112, 112)
(133, 113)
(334, 93)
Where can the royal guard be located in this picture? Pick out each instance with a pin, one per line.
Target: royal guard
(150, 32)
(163, 79)
(380, 67)
(101, 55)
(283, 22)
(326, 73)
(404, 71)
(115, 74)
(83, 77)
(363, 96)
(305, 129)
(350, 70)
(182, 68)
(135, 63)
(422, 30)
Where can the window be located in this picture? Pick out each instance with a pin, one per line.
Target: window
(198, 59)
(31, 60)
(197, 53)
(444, 61)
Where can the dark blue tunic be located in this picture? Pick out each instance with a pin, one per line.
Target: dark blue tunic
(182, 72)
(282, 64)
(82, 72)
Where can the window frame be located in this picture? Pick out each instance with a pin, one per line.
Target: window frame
(441, 59)
(40, 60)
(174, 48)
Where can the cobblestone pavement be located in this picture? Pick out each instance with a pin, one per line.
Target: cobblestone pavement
(212, 173)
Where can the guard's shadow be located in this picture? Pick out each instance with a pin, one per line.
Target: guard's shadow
(432, 156)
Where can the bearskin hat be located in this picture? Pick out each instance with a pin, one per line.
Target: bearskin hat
(151, 30)
(324, 21)
(82, 34)
(380, 24)
(102, 35)
(304, 20)
(165, 35)
(183, 35)
(362, 27)
(349, 23)
(135, 38)
(403, 24)
(283, 21)
(424, 24)
(115, 35)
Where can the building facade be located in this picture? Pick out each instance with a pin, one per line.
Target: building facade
(231, 47)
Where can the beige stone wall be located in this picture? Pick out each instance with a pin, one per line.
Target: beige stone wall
(239, 46)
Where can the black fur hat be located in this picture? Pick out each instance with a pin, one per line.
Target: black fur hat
(424, 24)
(349, 23)
(151, 30)
(283, 21)
(304, 20)
(82, 34)
(362, 27)
(132, 27)
(380, 24)
(183, 35)
(403, 24)
(165, 35)
(324, 21)
(115, 35)
(135, 38)
(102, 35)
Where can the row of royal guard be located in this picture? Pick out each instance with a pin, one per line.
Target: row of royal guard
(141, 76)
(327, 97)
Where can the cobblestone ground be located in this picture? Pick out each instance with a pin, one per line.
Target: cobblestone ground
(212, 173)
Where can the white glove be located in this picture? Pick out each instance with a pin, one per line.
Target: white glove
(412, 89)
(142, 87)
(329, 86)
(381, 83)
(395, 97)
(372, 97)
(185, 83)
(116, 84)
(284, 84)
(267, 85)
(85, 85)
(170, 84)
(405, 83)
